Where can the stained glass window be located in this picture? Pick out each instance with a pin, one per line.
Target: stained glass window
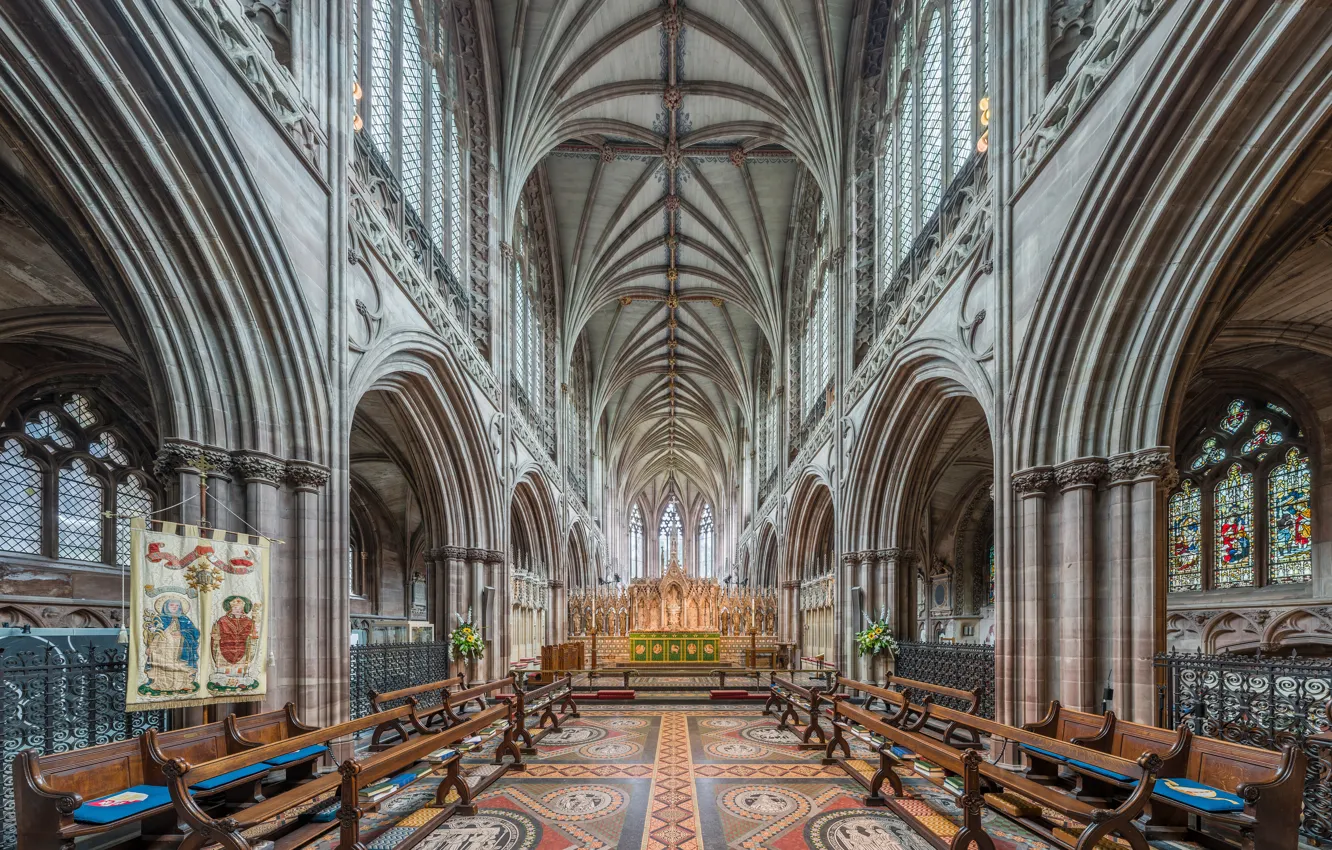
(1279, 409)
(132, 499)
(1263, 435)
(1185, 542)
(1211, 453)
(963, 95)
(1290, 521)
(45, 425)
(931, 118)
(670, 531)
(78, 407)
(636, 544)
(412, 105)
(20, 500)
(706, 543)
(80, 506)
(1236, 412)
(1233, 558)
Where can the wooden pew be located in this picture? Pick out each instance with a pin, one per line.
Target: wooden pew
(1126, 740)
(431, 714)
(879, 735)
(55, 795)
(352, 775)
(1099, 823)
(792, 697)
(478, 692)
(909, 688)
(1072, 727)
(540, 703)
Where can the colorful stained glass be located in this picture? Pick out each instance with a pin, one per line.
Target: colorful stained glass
(1185, 556)
(1210, 453)
(1233, 521)
(1279, 409)
(1289, 521)
(1263, 435)
(1236, 413)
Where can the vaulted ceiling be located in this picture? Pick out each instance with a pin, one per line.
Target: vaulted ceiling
(672, 140)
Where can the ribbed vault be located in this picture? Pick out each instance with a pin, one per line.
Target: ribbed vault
(672, 138)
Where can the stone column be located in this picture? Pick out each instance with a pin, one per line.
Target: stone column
(178, 463)
(319, 602)
(1077, 596)
(261, 475)
(1123, 469)
(1033, 630)
(1156, 477)
(848, 619)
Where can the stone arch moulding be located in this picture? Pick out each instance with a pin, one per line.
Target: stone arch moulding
(242, 384)
(1098, 377)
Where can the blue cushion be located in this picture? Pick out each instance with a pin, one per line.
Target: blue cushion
(226, 778)
(1100, 771)
(110, 811)
(902, 752)
(1199, 796)
(1044, 753)
(303, 753)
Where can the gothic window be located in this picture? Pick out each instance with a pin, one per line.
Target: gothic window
(670, 532)
(816, 340)
(70, 479)
(404, 62)
(706, 543)
(636, 544)
(1242, 514)
(578, 424)
(934, 92)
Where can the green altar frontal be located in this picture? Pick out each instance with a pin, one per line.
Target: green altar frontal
(674, 647)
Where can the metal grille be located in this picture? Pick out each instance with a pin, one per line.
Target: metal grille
(56, 701)
(131, 498)
(80, 513)
(413, 108)
(953, 665)
(20, 501)
(931, 119)
(1261, 702)
(390, 666)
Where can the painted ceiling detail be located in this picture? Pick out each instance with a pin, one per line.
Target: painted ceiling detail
(672, 137)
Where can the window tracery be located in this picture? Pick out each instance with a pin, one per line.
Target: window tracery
(69, 480)
(670, 532)
(636, 549)
(532, 378)
(706, 543)
(1243, 505)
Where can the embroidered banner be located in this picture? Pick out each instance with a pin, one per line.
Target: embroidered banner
(198, 624)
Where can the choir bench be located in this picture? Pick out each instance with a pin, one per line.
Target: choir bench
(540, 703)
(916, 721)
(792, 699)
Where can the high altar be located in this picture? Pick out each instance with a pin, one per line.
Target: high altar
(689, 618)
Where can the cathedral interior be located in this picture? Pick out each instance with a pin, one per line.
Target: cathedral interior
(665, 424)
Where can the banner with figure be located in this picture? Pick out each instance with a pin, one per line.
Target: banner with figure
(198, 622)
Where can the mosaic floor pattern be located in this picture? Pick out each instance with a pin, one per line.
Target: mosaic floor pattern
(695, 777)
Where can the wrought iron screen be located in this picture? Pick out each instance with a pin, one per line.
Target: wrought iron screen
(56, 700)
(1261, 702)
(389, 666)
(953, 665)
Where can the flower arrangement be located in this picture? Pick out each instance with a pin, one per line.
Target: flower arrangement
(466, 640)
(877, 636)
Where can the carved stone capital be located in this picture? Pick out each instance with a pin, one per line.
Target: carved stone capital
(451, 553)
(485, 556)
(1123, 467)
(1033, 482)
(258, 467)
(177, 456)
(853, 558)
(1158, 463)
(506, 251)
(1084, 472)
(305, 475)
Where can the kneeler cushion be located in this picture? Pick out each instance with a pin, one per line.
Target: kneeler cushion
(1100, 771)
(303, 752)
(232, 776)
(1197, 795)
(1013, 804)
(1043, 753)
(123, 804)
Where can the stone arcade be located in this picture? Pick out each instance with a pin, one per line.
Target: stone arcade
(1005, 326)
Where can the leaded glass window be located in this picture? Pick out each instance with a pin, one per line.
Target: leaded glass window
(905, 200)
(438, 166)
(931, 119)
(706, 543)
(379, 96)
(1185, 521)
(636, 544)
(670, 533)
(1290, 521)
(1251, 466)
(132, 499)
(413, 108)
(20, 500)
(962, 77)
(80, 517)
(68, 469)
(457, 224)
